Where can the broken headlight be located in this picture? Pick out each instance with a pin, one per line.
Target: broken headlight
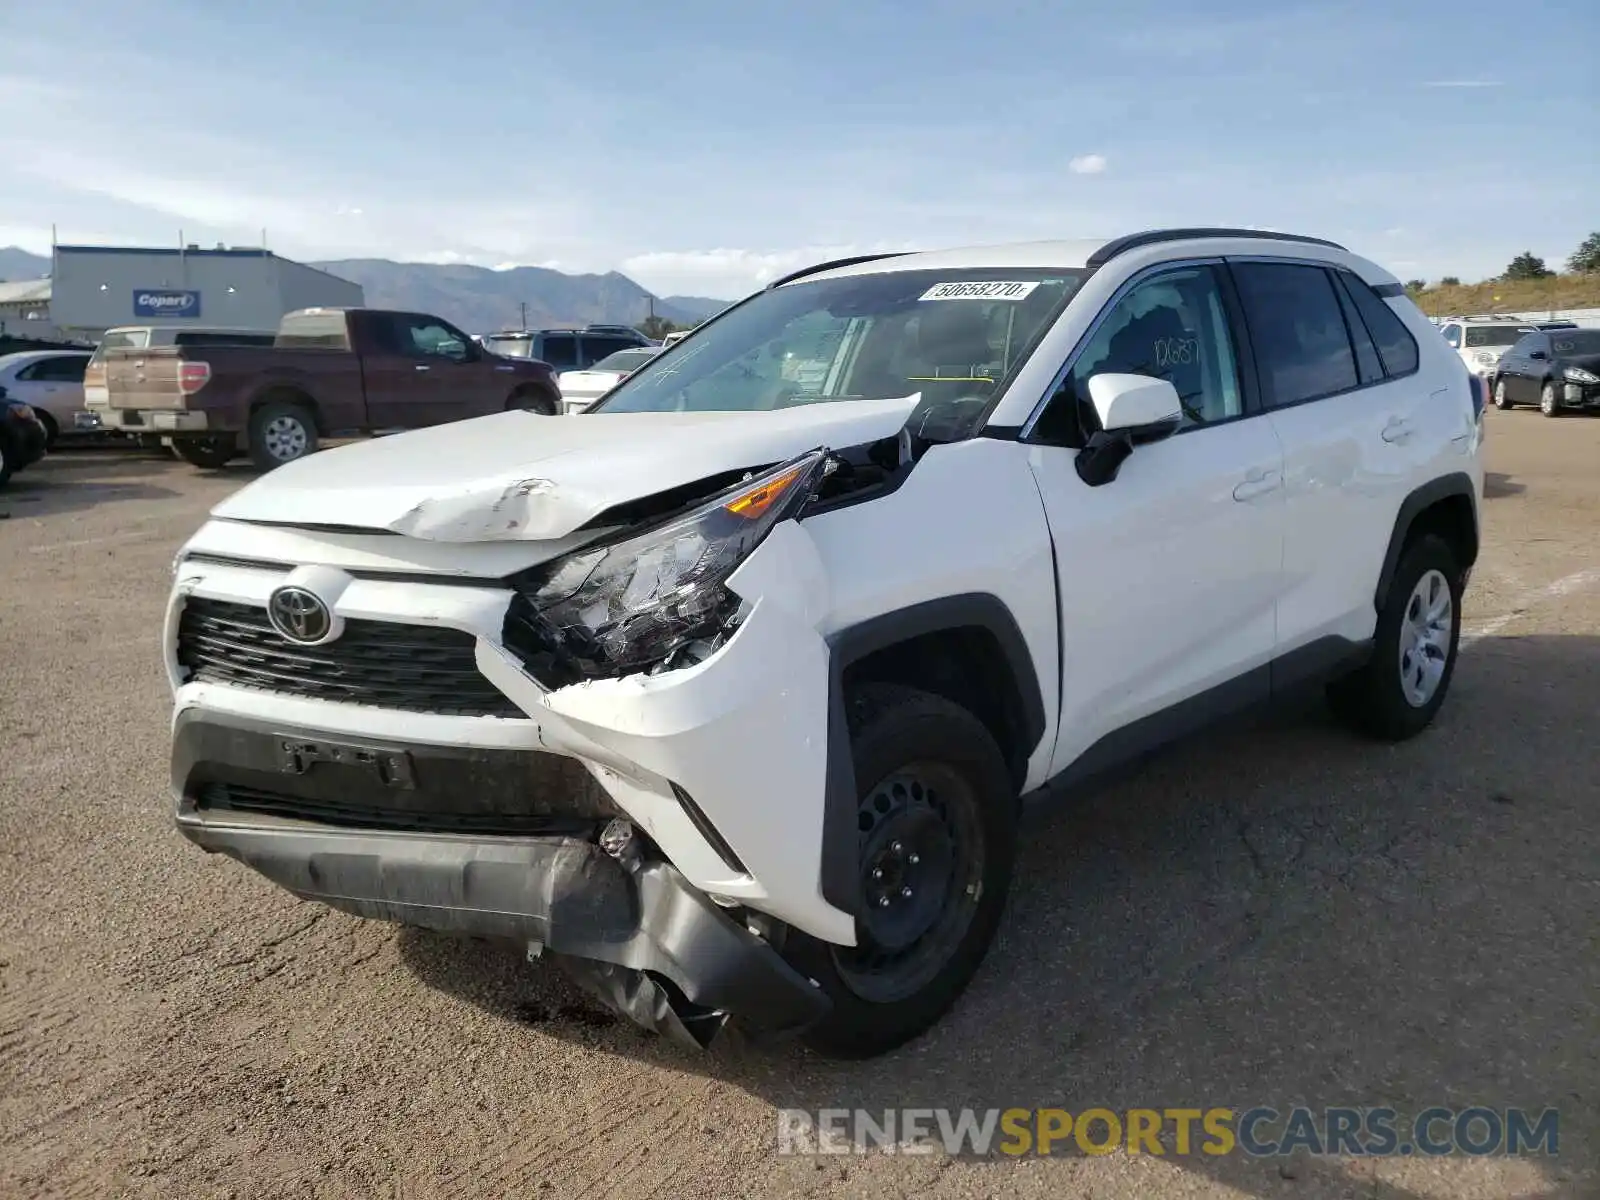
(657, 599)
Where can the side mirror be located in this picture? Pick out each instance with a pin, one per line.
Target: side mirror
(1537, 354)
(1129, 407)
(1134, 403)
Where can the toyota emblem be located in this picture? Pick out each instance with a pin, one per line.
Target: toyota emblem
(299, 615)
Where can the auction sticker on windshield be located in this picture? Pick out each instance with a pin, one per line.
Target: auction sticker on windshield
(979, 291)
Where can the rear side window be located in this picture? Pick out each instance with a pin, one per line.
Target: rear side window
(1302, 347)
(1367, 361)
(560, 350)
(596, 348)
(1452, 334)
(1396, 346)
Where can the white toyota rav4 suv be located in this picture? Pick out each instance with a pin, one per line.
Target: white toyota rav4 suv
(726, 692)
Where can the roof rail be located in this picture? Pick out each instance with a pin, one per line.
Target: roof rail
(831, 265)
(1151, 237)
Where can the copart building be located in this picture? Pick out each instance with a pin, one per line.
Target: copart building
(95, 288)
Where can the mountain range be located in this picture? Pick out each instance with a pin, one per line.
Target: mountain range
(478, 299)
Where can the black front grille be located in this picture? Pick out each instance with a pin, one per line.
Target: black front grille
(350, 813)
(385, 664)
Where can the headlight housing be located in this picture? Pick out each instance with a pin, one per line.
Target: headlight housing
(1579, 375)
(656, 599)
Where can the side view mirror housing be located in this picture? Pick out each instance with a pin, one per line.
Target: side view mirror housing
(1537, 354)
(1131, 408)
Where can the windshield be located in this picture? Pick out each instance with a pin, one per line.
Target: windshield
(953, 336)
(1577, 341)
(1495, 335)
(625, 360)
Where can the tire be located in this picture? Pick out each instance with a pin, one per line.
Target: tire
(1549, 405)
(280, 433)
(209, 453)
(534, 400)
(6, 464)
(52, 431)
(930, 777)
(1500, 400)
(1395, 696)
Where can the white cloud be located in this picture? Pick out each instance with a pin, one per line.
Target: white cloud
(1087, 164)
(1463, 83)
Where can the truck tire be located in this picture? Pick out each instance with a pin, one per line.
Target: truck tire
(210, 453)
(938, 820)
(280, 433)
(532, 399)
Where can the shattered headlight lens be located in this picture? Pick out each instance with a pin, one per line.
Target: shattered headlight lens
(657, 599)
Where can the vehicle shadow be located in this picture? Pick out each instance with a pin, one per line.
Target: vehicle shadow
(69, 482)
(1497, 485)
(1278, 915)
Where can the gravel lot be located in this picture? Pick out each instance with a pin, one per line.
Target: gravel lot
(1275, 915)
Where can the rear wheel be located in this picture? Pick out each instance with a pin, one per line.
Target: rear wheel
(532, 400)
(936, 822)
(210, 453)
(1401, 688)
(1549, 404)
(280, 433)
(1501, 400)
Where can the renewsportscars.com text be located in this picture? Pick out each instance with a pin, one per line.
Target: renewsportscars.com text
(1261, 1131)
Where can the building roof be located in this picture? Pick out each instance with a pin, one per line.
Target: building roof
(25, 291)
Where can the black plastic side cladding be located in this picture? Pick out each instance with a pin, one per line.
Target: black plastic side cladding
(1419, 501)
(974, 610)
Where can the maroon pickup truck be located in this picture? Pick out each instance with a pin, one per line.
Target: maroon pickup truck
(331, 372)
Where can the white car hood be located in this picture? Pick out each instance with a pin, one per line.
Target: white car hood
(519, 476)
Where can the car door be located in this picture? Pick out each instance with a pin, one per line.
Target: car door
(560, 350)
(444, 380)
(1534, 367)
(1169, 574)
(1348, 424)
(593, 347)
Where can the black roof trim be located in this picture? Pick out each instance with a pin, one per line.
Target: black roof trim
(1151, 237)
(832, 264)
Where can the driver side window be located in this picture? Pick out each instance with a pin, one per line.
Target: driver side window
(1171, 326)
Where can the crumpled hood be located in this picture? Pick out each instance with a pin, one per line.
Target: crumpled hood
(520, 476)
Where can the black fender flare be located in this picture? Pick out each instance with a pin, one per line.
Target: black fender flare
(846, 646)
(1458, 483)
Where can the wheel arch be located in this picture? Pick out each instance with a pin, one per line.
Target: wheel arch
(1446, 506)
(283, 391)
(967, 648)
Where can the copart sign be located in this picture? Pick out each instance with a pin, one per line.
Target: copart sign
(163, 302)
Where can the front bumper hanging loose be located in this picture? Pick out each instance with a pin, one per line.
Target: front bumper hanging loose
(633, 932)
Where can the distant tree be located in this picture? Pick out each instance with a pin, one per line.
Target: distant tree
(1527, 265)
(1586, 258)
(1416, 285)
(1450, 281)
(656, 328)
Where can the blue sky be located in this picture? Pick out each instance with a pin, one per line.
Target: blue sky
(702, 146)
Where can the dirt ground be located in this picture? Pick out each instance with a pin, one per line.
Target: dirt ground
(1274, 915)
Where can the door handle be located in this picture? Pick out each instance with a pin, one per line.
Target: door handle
(1258, 483)
(1397, 430)
(421, 367)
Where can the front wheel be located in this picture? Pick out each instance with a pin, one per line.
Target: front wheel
(1501, 401)
(936, 820)
(1401, 688)
(281, 433)
(532, 400)
(210, 453)
(1549, 405)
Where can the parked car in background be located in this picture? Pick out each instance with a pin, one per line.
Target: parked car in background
(22, 437)
(143, 337)
(579, 389)
(1480, 341)
(330, 372)
(51, 383)
(566, 349)
(1557, 369)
